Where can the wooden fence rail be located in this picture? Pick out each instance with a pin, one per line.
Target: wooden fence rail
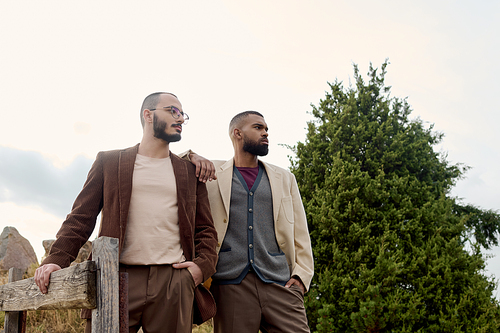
(89, 285)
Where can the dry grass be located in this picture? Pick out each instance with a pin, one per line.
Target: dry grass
(48, 321)
(205, 328)
(63, 321)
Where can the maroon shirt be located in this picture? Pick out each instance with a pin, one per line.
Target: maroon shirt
(249, 174)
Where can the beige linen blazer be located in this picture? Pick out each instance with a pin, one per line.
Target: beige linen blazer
(290, 222)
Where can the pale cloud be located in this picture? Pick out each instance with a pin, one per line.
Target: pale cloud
(28, 178)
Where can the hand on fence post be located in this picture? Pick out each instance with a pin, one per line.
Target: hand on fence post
(42, 276)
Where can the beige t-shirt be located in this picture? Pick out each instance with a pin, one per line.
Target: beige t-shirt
(152, 234)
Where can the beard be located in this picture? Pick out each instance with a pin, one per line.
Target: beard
(159, 127)
(253, 147)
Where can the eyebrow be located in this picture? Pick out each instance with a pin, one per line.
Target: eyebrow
(173, 106)
(260, 124)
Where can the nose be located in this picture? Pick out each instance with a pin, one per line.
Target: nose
(183, 118)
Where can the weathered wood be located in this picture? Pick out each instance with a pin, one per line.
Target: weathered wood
(15, 321)
(70, 288)
(89, 285)
(124, 302)
(106, 317)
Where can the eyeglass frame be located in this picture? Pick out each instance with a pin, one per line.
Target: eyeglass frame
(175, 112)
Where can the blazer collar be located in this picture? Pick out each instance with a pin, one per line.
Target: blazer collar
(125, 173)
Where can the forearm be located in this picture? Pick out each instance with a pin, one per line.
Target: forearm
(205, 169)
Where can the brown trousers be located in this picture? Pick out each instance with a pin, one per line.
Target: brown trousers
(253, 305)
(160, 299)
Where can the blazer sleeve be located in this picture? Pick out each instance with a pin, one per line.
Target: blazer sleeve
(80, 223)
(205, 236)
(304, 262)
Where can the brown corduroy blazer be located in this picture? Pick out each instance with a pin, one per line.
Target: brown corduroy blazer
(108, 189)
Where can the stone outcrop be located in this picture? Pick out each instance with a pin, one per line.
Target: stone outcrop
(82, 255)
(15, 250)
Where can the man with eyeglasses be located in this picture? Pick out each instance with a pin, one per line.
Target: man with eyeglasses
(265, 258)
(150, 200)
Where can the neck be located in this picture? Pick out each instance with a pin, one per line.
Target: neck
(153, 147)
(243, 159)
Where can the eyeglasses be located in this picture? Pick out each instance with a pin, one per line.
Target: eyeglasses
(176, 113)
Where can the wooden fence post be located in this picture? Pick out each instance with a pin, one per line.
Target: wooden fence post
(15, 321)
(105, 318)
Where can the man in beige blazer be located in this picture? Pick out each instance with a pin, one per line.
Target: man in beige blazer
(265, 259)
(153, 203)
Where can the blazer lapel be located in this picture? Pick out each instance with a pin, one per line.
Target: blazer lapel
(181, 181)
(275, 182)
(225, 180)
(125, 172)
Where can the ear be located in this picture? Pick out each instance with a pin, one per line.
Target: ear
(237, 133)
(148, 116)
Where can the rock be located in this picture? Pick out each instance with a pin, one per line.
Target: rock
(15, 250)
(82, 255)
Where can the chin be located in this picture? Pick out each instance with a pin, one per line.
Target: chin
(174, 138)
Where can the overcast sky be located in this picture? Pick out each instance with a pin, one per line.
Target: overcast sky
(73, 75)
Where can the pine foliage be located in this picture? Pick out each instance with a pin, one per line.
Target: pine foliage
(387, 242)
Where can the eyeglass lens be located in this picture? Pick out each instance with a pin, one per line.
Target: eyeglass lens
(176, 113)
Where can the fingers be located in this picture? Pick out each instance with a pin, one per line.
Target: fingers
(301, 286)
(205, 171)
(296, 282)
(201, 171)
(182, 265)
(212, 175)
(291, 282)
(40, 279)
(42, 276)
(195, 271)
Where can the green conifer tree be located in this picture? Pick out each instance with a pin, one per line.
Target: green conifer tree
(388, 241)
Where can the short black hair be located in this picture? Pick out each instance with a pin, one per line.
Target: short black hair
(151, 101)
(239, 117)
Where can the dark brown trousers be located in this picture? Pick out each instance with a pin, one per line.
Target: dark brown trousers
(253, 305)
(160, 299)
